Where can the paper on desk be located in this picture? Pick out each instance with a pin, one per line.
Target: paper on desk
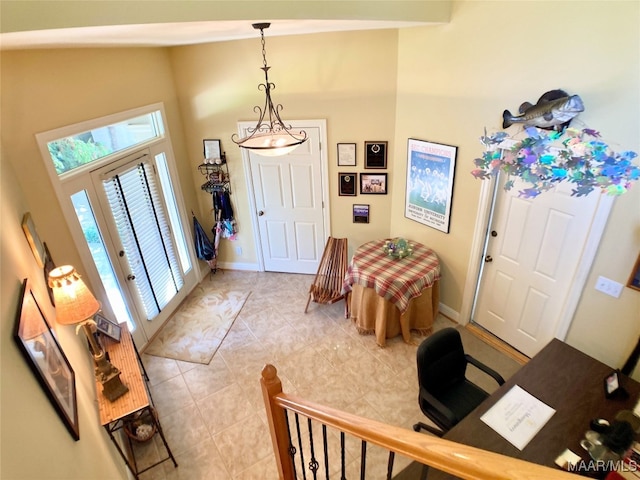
(518, 416)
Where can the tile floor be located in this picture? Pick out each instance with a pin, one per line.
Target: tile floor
(213, 415)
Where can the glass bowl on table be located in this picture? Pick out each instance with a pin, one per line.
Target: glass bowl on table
(397, 248)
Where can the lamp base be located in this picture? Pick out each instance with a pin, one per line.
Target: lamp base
(109, 376)
(112, 386)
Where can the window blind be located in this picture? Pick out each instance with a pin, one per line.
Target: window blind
(142, 224)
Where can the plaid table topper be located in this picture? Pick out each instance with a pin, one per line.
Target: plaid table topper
(396, 280)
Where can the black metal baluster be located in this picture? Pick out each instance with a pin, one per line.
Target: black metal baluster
(313, 463)
(326, 452)
(363, 461)
(292, 449)
(392, 456)
(343, 476)
(304, 471)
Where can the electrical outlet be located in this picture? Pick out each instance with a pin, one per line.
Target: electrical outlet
(609, 287)
(239, 250)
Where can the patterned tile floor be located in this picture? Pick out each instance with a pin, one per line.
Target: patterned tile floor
(213, 415)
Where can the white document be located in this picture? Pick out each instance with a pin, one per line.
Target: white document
(518, 416)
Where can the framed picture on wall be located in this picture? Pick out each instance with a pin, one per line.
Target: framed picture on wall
(634, 278)
(375, 154)
(360, 213)
(45, 358)
(429, 190)
(373, 183)
(347, 184)
(346, 154)
(211, 150)
(37, 247)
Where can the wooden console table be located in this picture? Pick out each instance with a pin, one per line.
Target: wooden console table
(136, 402)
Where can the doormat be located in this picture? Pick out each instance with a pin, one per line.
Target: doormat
(196, 330)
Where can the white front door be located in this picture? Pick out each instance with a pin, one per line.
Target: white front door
(289, 206)
(533, 252)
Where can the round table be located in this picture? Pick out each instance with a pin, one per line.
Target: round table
(391, 296)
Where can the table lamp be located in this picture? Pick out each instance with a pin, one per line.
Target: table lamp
(75, 304)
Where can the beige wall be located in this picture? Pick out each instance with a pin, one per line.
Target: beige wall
(456, 79)
(35, 443)
(346, 78)
(42, 90)
(440, 83)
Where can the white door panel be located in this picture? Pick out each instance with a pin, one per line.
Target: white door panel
(531, 262)
(289, 201)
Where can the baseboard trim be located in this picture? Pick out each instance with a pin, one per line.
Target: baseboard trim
(497, 343)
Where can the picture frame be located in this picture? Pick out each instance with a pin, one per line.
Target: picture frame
(375, 155)
(634, 277)
(429, 188)
(360, 213)
(108, 327)
(212, 149)
(373, 183)
(347, 184)
(346, 154)
(37, 247)
(46, 359)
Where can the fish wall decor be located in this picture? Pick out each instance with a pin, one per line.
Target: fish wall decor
(554, 111)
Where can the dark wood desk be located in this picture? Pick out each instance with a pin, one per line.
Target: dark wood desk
(568, 381)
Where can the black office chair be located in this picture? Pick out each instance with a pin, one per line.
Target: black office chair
(446, 396)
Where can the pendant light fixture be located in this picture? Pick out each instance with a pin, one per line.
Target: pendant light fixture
(270, 137)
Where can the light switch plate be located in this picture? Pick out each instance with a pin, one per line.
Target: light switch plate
(609, 287)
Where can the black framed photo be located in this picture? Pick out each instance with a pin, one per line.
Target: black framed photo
(373, 183)
(375, 154)
(109, 328)
(212, 151)
(346, 154)
(45, 358)
(347, 184)
(360, 213)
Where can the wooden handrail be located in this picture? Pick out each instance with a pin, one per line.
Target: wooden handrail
(455, 458)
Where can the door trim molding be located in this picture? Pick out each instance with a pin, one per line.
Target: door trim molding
(321, 125)
(480, 235)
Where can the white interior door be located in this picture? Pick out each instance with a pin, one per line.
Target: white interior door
(289, 203)
(532, 257)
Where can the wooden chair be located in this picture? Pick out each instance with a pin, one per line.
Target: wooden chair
(327, 284)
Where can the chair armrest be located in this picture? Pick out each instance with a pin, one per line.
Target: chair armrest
(489, 371)
(441, 407)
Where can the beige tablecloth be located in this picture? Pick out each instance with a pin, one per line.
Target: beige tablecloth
(372, 314)
(391, 296)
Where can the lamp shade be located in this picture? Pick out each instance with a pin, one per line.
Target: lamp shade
(74, 302)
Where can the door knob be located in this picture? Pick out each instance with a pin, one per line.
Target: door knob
(131, 277)
(260, 213)
(488, 259)
(494, 233)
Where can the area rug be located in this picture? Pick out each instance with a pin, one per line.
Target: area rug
(197, 329)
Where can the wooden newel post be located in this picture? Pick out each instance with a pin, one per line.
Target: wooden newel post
(272, 386)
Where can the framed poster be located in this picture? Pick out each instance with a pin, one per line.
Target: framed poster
(346, 154)
(360, 213)
(347, 184)
(373, 183)
(46, 359)
(375, 154)
(430, 171)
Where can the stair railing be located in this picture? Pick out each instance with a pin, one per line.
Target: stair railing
(463, 461)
